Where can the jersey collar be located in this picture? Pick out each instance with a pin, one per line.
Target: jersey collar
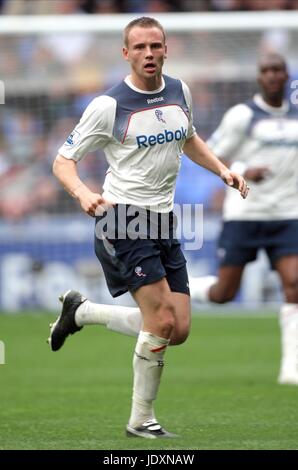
(158, 90)
(283, 109)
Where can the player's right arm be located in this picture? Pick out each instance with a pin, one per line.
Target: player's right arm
(92, 132)
(226, 141)
(65, 171)
(231, 132)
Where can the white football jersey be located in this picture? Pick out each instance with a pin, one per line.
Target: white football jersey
(142, 135)
(261, 135)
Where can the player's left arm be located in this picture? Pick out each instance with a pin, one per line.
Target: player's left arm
(198, 151)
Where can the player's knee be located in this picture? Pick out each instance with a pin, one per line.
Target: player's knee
(291, 289)
(224, 299)
(294, 283)
(180, 332)
(221, 295)
(179, 337)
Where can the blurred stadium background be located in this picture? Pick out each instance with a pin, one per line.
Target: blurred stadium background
(222, 382)
(52, 66)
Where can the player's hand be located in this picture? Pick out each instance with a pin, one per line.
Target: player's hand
(92, 203)
(257, 174)
(235, 181)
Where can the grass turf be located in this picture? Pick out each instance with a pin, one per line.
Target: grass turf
(218, 390)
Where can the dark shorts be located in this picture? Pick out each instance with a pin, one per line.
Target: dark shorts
(131, 261)
(240, 241)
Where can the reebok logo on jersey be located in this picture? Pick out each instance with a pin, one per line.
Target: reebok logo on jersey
(155, 100)
(161, 138)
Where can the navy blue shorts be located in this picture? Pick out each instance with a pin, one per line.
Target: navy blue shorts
(240, 241)
(130, 261)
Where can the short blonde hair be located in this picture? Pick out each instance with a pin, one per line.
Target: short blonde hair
(143, 22)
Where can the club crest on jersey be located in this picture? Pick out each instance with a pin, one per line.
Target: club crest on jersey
(159, 115)
(72, 138)
(139, 272)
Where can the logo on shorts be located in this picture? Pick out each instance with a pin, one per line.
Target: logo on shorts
(139, 272)
(159, 115)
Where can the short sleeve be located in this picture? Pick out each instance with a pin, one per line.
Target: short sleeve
(229, 135)
(93, 131)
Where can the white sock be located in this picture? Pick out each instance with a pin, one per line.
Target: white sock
(288, 321)
(125, 320)
(147, 365)
(200, 286)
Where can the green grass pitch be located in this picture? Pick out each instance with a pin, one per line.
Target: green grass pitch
(218, 390)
